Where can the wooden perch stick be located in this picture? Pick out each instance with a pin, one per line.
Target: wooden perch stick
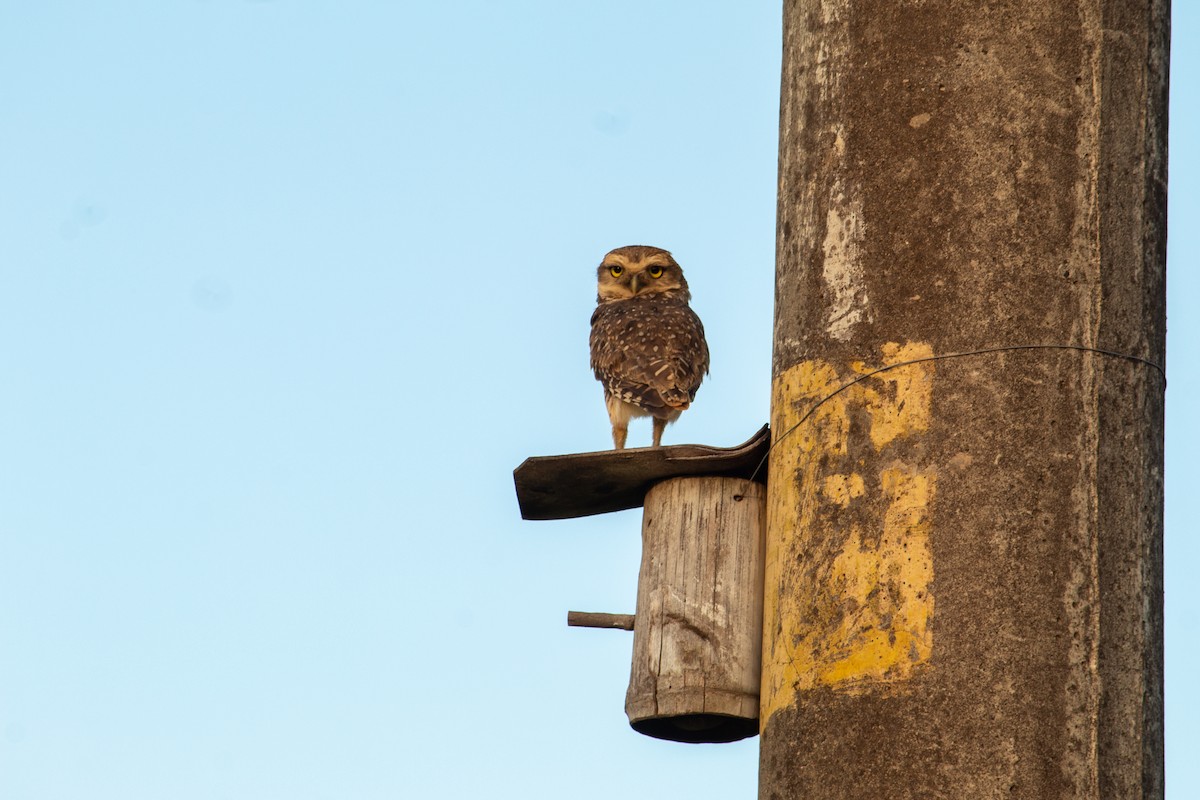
(591, 619)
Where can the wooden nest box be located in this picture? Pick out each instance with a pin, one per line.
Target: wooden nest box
(697, 629)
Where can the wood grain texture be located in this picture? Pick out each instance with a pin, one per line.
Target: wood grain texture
(697, 636)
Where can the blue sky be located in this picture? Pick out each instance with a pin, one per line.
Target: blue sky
(287, 289)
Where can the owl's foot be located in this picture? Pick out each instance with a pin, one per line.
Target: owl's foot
(660, 425)
(619, 435)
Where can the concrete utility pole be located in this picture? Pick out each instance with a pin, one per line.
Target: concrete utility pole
(964, 555)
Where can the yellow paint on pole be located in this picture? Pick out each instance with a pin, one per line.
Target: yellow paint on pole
(849, 563)
(886, 583)
(900, 406)
(841, 489)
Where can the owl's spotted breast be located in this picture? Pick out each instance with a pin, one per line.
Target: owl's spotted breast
(648, 352)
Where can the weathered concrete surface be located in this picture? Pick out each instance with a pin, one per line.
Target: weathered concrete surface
(964, 556)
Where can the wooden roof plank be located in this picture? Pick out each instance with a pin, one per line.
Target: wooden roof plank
(582, 484)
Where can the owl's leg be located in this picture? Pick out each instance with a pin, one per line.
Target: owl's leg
(660, 425)
(618, 415)
(619, 435)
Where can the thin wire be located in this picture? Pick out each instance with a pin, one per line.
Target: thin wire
(984, 351)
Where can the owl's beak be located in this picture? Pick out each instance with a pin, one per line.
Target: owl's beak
(633, 284)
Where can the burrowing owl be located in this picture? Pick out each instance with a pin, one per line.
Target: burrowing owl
(648, 347)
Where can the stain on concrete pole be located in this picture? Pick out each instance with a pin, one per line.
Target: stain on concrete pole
(964, 555)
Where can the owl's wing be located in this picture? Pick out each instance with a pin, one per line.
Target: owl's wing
(651, 355)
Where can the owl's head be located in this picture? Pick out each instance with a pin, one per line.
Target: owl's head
(639, 270)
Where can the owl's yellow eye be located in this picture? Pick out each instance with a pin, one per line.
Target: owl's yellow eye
(655, 272)
(616, 271)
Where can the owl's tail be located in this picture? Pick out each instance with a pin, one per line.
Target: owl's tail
(677, 399)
